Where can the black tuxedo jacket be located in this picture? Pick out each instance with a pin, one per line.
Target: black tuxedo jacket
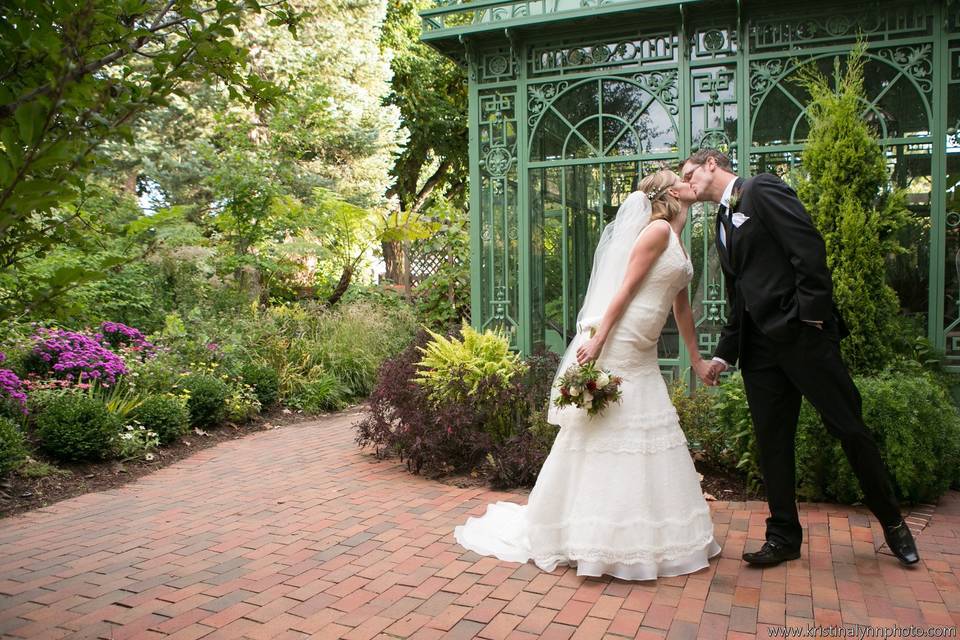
(775, 266)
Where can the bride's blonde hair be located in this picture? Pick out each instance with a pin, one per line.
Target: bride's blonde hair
(663, 205)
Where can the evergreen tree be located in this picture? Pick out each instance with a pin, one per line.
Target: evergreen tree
(845, 186)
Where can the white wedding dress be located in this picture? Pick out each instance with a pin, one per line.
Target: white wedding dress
(618, 494)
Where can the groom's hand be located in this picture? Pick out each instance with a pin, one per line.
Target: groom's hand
(703, 370)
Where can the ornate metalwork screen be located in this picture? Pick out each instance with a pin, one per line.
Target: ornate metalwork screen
(567, 116)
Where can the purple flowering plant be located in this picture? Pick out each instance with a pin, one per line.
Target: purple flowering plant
(121, 336)
(11, 387)
(74, 356)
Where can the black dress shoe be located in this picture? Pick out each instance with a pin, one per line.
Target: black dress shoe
(771, 553)
(901, 543)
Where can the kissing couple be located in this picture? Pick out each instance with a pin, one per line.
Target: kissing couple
(618, 494)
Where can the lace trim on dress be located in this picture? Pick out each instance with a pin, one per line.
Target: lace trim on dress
(616, 445)
(694, 516)
(659, 554)
(632, 422)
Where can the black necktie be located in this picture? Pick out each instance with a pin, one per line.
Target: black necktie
(724, 214)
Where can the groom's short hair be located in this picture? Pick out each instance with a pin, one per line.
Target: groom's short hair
(722, 159)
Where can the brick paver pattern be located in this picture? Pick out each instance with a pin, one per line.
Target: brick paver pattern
(296, 533)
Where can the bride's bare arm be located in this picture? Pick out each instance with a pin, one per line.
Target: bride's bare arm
(650, 244)
(684, 317)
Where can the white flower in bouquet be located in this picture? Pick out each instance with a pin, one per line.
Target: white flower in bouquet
(587, 398)
(603, 380)
(574, 391)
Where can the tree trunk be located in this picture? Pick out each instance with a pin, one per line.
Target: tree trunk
(130, 182)
(395, 257)
(342, 286)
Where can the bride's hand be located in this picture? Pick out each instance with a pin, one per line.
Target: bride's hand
(589, 350)
(703, 369)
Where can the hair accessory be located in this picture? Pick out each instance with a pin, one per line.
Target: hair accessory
(653, 195)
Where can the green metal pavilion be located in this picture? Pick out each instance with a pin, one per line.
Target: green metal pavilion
(572, 101)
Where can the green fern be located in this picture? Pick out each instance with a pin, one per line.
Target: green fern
(448, 363)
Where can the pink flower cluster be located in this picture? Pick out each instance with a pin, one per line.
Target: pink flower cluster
(121, 335)
(11, 387)
(72, 355)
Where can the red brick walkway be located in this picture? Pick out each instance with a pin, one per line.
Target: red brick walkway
(295, 533)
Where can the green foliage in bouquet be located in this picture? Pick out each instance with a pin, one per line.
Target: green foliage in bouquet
(449, 364)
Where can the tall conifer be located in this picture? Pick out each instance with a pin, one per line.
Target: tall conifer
(846, 188)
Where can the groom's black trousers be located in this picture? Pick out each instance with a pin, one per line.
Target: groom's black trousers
(776, 375)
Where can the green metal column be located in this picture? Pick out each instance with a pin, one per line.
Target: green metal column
(525, 339)
(476, 223)
(685, 143)
(938, 173)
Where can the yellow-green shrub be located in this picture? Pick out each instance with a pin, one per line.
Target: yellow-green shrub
(449, 364)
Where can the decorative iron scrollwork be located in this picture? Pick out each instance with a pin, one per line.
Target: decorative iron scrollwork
(662, 85)
(915, 62)
(540, 96)
(765, 74)
(715, 139)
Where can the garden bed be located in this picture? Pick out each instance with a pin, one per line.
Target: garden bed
(19, 493)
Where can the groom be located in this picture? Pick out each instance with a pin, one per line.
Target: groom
(785, 331)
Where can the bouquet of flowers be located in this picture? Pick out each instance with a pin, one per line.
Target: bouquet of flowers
(588, 387)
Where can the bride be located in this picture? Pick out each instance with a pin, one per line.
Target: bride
(618, 494)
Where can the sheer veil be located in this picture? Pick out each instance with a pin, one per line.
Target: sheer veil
(606, 277)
